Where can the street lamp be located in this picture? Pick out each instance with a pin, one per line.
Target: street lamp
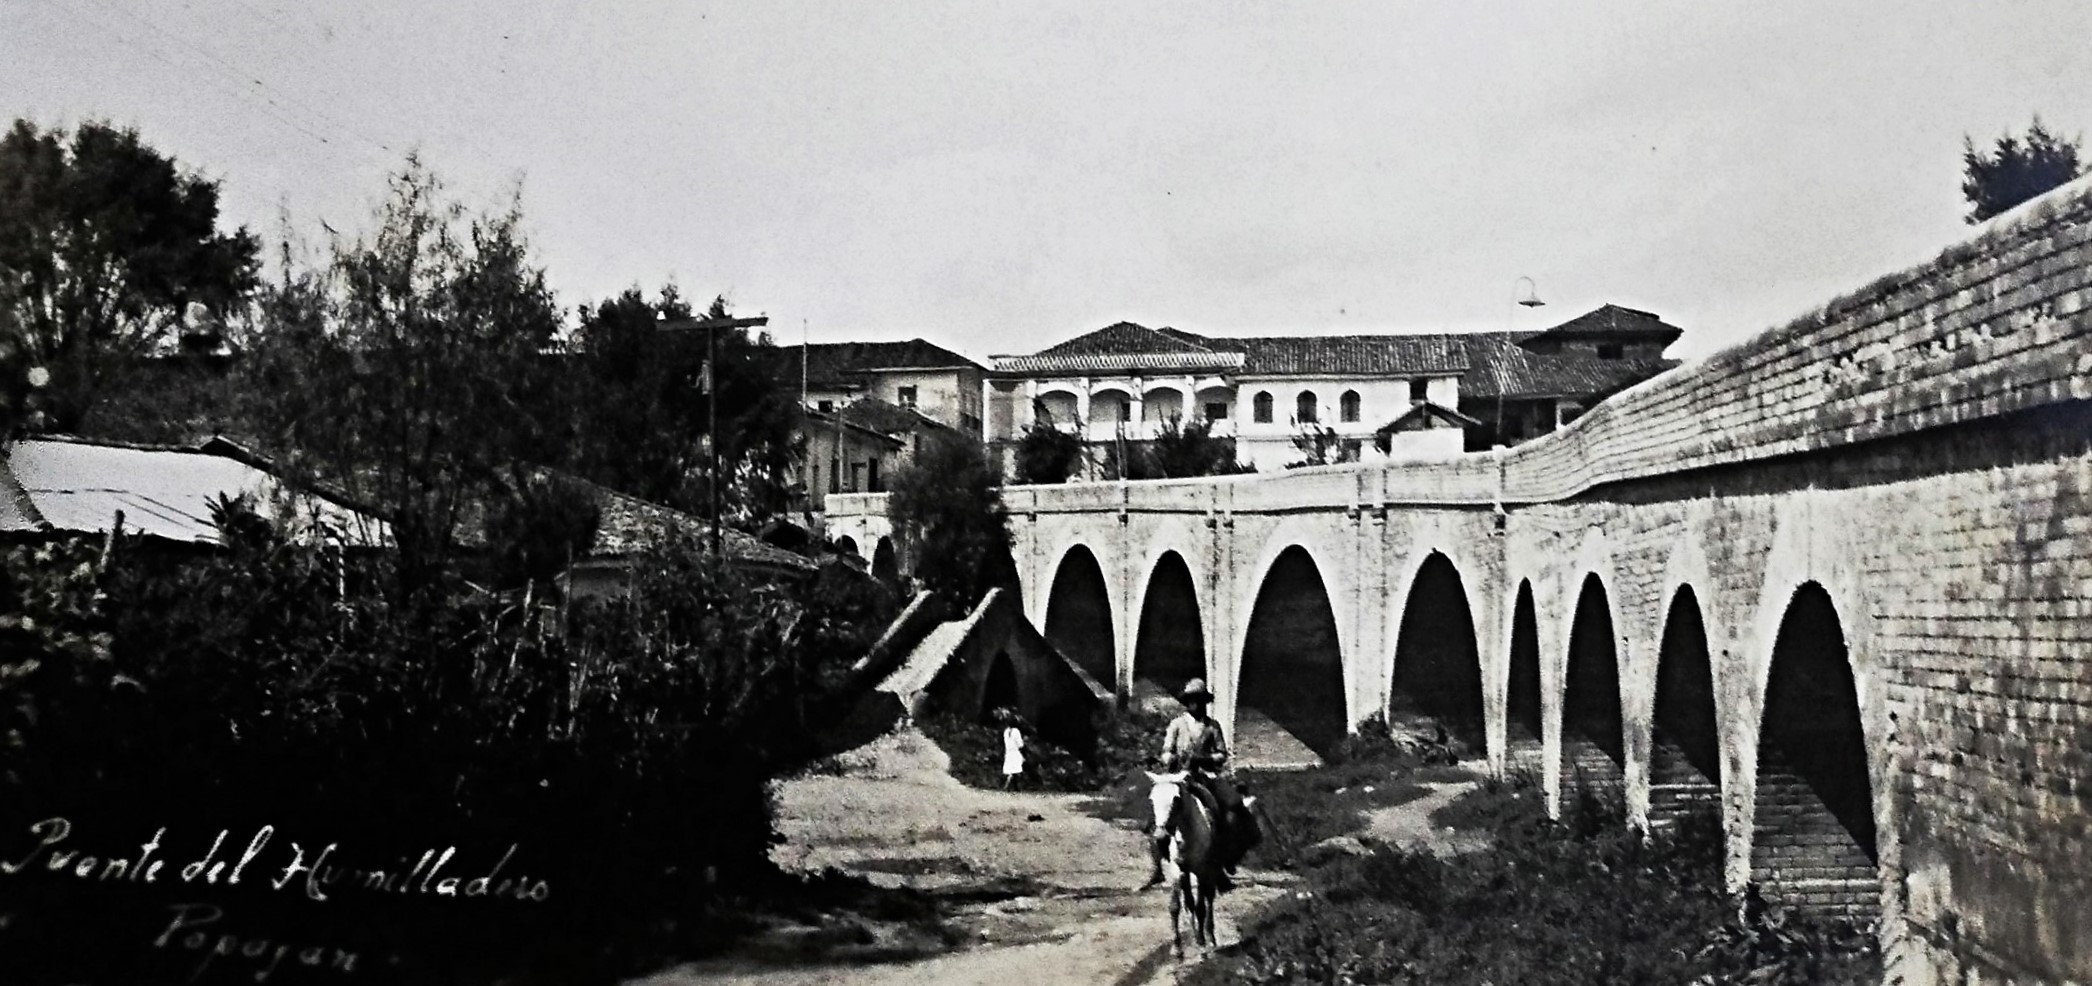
(1527, 298)
(710, 327)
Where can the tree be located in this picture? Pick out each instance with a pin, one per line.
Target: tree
(947, 506)
(105, 246)
(408, 370)
(2016, 169)
(640, 402)
(1046, 454)
(1190, 449)
(1318, 445)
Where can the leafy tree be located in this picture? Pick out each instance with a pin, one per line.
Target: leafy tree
(947, 506)
(1046, 454)
(2015, 170)
(1190, 449)
(407, 371)
(642, 410)
(105, 245)
(1318, 445)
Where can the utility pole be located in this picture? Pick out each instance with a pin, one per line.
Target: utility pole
(710, 327)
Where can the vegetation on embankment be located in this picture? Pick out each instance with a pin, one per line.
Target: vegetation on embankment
(1578, 901)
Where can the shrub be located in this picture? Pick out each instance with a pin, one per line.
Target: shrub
(624, 746)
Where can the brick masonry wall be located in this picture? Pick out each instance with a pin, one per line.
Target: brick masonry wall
(1919, 449)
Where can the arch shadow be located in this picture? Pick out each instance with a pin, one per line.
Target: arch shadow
(1078, 616)
(1290, 683)
(1438, 665)
(1816, 844)
(1593, 744)
(1685, 755)
(1169, 646)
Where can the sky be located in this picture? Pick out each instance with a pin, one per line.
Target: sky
(999, 177)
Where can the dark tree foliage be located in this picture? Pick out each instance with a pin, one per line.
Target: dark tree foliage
(2016, 169)
(408, 371)
(105, 247)
(641, 407)
(625, 746)
(1183, 449)
(947, 507)
(1318, 445)
(1046, 454)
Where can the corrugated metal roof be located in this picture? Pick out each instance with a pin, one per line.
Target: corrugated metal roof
(75, 486)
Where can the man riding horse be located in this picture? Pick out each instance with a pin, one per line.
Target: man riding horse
(1193, 743)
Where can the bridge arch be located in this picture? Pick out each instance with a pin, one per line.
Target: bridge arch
(1289, 689)
(1813, 798)
(1169, 643)
(886, 563)
(1080, 620)
(846, 545)
(1685, 774)
(1437, 665)
(1592, 746)
(1523, 745)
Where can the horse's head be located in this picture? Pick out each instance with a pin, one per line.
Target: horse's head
(1162, 797)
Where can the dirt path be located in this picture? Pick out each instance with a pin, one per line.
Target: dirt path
(895, 815)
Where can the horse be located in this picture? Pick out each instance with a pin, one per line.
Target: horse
(1192, 864)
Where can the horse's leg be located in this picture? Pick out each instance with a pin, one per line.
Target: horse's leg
(1176, 909)
(1206, 914)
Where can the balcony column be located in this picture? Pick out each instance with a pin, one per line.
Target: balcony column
(1082, 403)
(1029, 416)
(1136, 407)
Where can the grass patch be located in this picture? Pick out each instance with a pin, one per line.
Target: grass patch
(1577, 901)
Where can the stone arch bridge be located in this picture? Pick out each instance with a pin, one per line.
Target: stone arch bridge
(1832, 588)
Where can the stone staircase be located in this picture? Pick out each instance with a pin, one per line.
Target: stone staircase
(1262, 744)
(1802, 856)
(1585, 765)
(1678, 790)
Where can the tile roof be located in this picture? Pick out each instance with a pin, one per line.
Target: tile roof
(1504, 369)
(59, 484)
(1126, 339)
(1433, 354)
(1611, 320)
(1084, 362)
(628, 525)
(1428, 409)
(888, 418)
(833, 363)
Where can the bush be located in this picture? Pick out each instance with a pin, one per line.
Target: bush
(624, 747)
(1578, 901)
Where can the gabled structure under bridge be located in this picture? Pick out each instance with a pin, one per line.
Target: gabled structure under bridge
(1830, 585)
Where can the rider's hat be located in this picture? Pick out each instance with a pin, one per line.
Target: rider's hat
(1195, 691)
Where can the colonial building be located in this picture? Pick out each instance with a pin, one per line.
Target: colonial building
(917, 375)
(1381, 396)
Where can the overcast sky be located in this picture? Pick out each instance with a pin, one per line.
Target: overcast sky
(997, 177)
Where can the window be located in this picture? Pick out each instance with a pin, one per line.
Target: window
(1261, 409)
(906, 396)
(825, 407)
(1304, 408)
(1352, 449)
(1610, 350)
(1420, 389)
(871, 477)
(1216, 410)
(1347, 406)
(835, 475)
